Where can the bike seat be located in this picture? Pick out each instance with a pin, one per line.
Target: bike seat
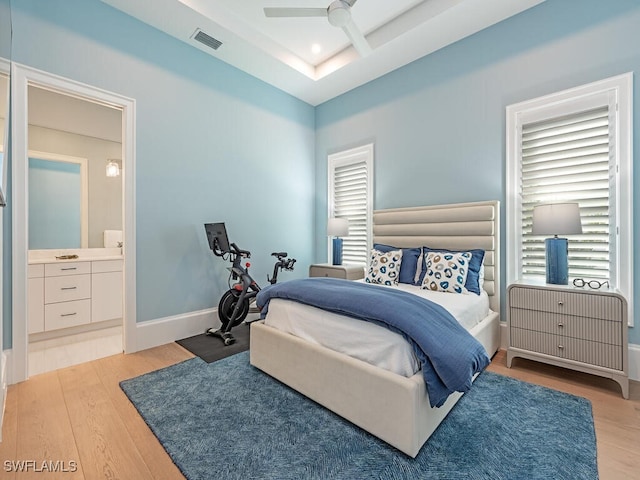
(279, 254)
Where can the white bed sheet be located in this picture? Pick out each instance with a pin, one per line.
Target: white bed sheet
(367, 341)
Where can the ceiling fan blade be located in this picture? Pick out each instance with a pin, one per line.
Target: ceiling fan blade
(294, 12)
(357, 39)
(351, 3)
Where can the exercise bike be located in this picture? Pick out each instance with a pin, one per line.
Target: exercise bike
(235, 303)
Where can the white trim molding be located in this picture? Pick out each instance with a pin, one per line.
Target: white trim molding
(154, 333)
(363, 154)
(634, 362)
(22, 77)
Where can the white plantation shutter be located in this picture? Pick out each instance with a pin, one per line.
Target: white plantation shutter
(350, 197)
(574, 146)
(569, 159)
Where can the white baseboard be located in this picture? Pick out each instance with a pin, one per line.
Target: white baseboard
(503, 336)
(8, 367)
(634, 354)
(158, 332)
(634, 362)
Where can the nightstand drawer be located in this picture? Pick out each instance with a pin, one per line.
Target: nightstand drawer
(585, 351)
(588, 304)
(584, 328)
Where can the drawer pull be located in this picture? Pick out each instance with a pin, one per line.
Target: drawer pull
(68, 314)
(560, 324)
(561, 303)
(68, 288)
(69, 268)
(561, 347)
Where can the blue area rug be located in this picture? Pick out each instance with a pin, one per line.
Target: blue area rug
(228, 420)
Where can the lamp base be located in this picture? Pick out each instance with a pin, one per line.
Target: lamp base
(557, 256)
(337, 251)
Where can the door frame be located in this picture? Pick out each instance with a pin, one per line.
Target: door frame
(22, 77)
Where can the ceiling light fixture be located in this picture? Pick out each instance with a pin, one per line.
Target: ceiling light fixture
(316, 48)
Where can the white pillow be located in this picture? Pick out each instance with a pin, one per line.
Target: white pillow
(384, 268)
(446, 272)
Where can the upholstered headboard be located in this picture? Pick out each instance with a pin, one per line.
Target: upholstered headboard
(457, 226)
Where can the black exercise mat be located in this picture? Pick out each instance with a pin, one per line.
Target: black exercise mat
(210, 348)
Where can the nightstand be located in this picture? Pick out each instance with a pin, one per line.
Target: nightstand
(348, 272)
(577, 328)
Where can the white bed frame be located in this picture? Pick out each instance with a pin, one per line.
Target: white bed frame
(392, 407)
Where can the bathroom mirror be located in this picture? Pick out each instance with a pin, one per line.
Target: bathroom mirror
(72, 201)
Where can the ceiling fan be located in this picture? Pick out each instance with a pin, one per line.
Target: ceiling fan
(339, 15)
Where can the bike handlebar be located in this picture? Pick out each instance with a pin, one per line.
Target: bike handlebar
(288, 263)
(239, 251)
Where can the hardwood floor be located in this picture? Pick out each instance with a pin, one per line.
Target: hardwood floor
(80, 418)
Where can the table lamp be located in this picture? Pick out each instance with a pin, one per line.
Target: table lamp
(557, 219)
(336, 228)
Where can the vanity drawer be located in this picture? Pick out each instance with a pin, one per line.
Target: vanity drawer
(67, 288)
(66, 268)
(588, 304)
(103, 266)
(67, 314)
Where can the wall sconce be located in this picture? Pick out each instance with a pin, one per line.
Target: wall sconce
(337, 227)
(557, 219)
(113, 168)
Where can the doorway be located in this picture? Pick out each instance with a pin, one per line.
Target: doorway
(28, 85)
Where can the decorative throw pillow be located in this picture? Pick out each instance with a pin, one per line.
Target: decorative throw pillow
(384, 268)
(411, 266)
(473, 275)
(446, 272)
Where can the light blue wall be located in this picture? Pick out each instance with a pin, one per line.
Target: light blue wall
(438, 124)
(212, 144)
(5, 29)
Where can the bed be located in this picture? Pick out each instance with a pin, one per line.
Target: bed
(390, 406)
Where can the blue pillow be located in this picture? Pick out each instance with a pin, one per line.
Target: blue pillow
(409, 264)
(473, 276)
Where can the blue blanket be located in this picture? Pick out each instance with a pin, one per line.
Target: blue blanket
(449, 355)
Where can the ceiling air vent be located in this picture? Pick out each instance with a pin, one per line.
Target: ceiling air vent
(205, 39)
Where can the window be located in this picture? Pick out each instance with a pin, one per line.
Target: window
(350, 196)
(573, 146)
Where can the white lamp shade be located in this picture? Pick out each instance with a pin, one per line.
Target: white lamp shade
(113, 169)
(338, 227)
(557, 219)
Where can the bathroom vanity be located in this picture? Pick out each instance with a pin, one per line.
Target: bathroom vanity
(73, 292)
(82, 291)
